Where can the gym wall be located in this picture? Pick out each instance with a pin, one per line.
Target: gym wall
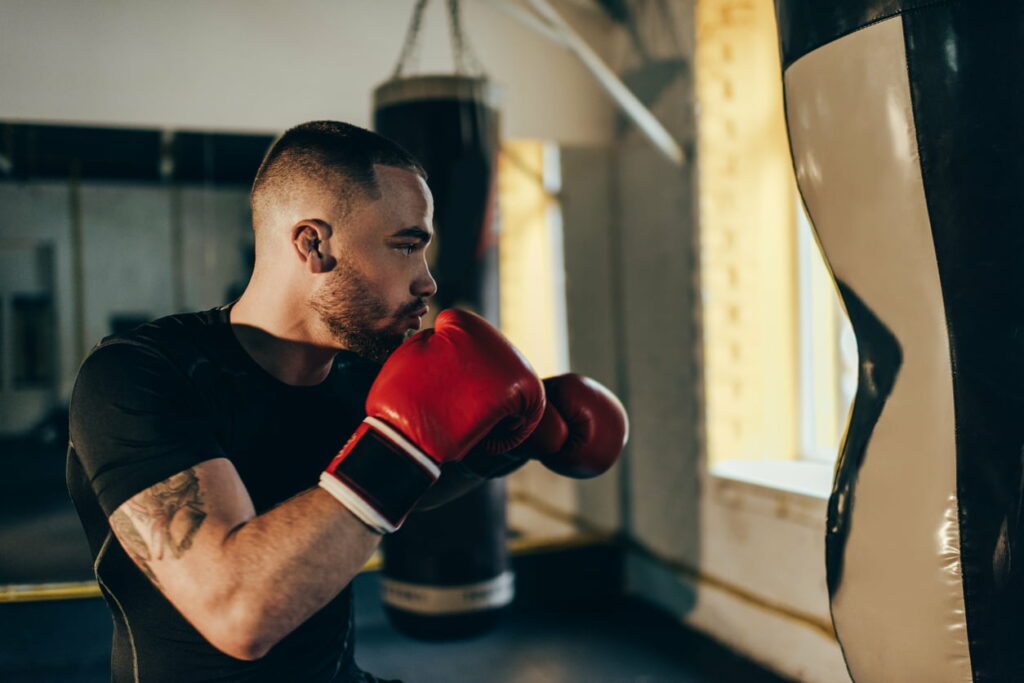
(738, 560)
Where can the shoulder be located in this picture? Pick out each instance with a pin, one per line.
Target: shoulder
(136, 414)
(176, 342)
(153, 357)
(171, 334)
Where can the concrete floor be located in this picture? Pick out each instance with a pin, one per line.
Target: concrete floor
(616, 641)
(608, 641)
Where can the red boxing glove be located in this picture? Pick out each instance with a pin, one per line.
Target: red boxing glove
(581, 435)
(584, 427)
(439, 394)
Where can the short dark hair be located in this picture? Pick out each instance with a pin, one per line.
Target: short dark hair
(330, 153)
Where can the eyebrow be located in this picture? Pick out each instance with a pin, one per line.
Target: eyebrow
(414, 232)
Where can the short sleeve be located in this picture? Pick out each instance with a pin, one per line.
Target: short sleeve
(136, 420)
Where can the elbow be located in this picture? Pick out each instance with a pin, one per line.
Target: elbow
(242, 648)
(242, 637)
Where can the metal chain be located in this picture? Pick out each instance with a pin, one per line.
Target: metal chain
(412, 38)
(463, 56)
(462, 53)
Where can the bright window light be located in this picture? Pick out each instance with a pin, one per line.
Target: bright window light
(531, 264)
(777, 357)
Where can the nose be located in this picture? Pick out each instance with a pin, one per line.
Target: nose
(424, 285)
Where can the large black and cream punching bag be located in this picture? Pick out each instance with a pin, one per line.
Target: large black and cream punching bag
(906, 121)
(446, 572)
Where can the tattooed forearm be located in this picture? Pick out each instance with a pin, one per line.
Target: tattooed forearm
(164, 517)
(132, 542)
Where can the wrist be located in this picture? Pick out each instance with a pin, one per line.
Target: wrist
(379, 475)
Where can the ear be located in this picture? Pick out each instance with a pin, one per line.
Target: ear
(311, 240)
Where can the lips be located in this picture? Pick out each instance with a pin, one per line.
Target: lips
(412, 319)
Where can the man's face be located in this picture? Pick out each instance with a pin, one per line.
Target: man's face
(374, 297)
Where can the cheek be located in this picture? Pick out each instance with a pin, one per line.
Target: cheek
(389, 277)
(390, 287)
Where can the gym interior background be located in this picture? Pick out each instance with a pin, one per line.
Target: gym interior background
(128, 135)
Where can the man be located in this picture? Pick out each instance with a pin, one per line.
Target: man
(197, 440)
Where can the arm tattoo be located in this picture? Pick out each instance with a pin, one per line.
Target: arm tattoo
(164, 518)
(133, 542)
(170, 513)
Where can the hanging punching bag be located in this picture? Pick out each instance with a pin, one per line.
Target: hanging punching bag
(905, 125)
(445, 572)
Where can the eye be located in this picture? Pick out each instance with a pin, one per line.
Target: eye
(408, 249)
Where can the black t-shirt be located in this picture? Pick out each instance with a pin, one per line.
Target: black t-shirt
(169, 395)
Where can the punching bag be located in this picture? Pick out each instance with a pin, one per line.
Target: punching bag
(445, 572)
(905, 123)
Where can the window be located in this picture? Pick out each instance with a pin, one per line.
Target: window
(28, 329)
(827, 352)
(32, 335)
(779, 358)
(531, 267)
(533, 308)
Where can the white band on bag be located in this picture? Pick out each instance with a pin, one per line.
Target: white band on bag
(421, 599)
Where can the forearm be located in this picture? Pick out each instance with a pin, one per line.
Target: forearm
(243, 580)
(281, 567)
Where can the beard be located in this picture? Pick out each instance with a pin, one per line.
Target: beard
(357, 317)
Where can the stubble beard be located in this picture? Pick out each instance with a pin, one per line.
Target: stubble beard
(349, 308)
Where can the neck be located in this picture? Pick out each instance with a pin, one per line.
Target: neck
(281, 337)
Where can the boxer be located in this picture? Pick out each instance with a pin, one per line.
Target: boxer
(197, 440)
